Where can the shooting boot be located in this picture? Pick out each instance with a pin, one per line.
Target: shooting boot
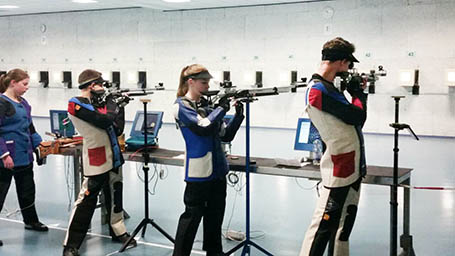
(37, 226)
(70, 251)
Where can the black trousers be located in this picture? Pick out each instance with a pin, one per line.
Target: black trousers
(25, 189)
(202, 199)
(333, 221)
(85, 207)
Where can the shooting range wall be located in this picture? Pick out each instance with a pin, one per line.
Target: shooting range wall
(275, 39)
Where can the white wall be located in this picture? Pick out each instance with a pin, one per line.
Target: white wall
(273, 39)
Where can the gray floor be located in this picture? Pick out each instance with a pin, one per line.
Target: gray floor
(281, 206)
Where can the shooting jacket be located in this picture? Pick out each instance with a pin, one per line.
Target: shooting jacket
(203, 130)
(100, 150)
(18, 137)
(340, 126)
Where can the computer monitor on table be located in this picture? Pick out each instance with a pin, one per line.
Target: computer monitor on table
(61, 125)
(154, 121)
(305, 135)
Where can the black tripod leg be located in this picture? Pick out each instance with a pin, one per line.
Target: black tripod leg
(246, 249)
(162, 231)
(235, 248)
(142, 224)
(406, 238)
(143, 230)
(260, 248)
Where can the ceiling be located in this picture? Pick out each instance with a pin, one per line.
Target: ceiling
(50, 6)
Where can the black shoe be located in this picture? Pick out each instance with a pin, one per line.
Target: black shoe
(1, 243)
(37, 226)
(70, 251)
(123, 238)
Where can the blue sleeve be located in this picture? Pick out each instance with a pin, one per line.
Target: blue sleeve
(3, 148)
(202, 126)
(36, 140)
(34, 136)
(3, 112)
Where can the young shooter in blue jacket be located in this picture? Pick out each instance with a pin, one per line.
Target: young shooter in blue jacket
(205, 164)
(18, 139)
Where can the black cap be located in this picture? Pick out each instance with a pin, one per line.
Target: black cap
(87, 77)
(335, 54)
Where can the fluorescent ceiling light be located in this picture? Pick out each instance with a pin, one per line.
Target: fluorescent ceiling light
(217, 76)
(57, 77)
(450, 77)
(406, 77)
(177, 1)
(284, 77)
(8, 6)
(84, 1)
(248, 77)
(132, 77)
(33, 76)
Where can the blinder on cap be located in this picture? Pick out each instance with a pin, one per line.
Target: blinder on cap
(98, 80)
(335, 54)
(201, 75)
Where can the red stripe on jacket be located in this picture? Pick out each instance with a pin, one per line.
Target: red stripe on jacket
(71, 109)
(315, 98)
(357, 102)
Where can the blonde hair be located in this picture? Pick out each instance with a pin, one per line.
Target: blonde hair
(187, 71)
(13, 75)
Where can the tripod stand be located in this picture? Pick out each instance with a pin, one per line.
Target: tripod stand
(406, 239)
(247, 242)
(145, 168)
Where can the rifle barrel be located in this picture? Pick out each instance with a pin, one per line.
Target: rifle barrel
(132, 94)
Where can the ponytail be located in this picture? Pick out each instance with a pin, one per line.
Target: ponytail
(183, 85)
(4, 83)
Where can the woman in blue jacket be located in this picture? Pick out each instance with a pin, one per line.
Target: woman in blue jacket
(18, 139)
(205, 164)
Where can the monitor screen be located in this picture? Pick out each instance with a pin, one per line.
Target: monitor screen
(305, 135)
(154, 119)
(61, 125)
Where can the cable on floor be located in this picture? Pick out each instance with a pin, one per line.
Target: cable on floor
(69, 181)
